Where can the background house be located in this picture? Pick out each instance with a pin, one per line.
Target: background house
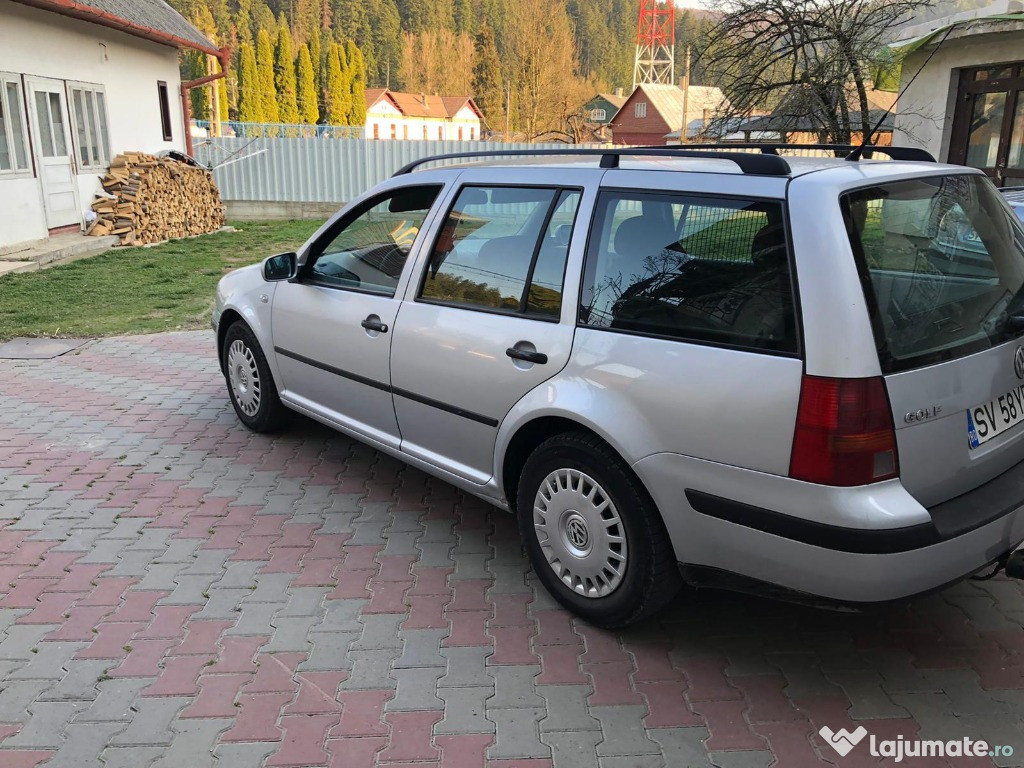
(421, 117)
(653, 111)
(601, 110)
(967, 104)
(81, 82)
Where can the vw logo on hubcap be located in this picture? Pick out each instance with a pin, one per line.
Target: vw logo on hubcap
(1018, 362)
(576, 532)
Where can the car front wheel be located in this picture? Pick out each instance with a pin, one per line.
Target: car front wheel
(250, 383)
(594, 537)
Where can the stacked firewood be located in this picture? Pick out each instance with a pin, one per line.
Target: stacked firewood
(150, 199)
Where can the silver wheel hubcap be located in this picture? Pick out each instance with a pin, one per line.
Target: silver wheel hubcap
(244, 377)
(580, 533)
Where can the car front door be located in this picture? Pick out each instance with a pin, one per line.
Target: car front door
(332, 325)
(486, 323)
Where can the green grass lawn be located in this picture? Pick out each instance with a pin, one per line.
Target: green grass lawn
(138, 290)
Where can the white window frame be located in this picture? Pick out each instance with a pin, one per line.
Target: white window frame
(598, 115)
(640, 109)
(102, 144)
(15, 171)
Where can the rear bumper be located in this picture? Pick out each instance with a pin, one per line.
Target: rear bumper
(898, 550)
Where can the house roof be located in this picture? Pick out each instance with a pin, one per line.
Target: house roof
(422, 105)
(667, 100)
(149, 19)
(613, 99)
(781, 121)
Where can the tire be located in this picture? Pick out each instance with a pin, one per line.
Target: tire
(250, 384)
(607, 556)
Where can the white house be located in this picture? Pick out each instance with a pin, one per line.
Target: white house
(963, 77)
(420, 117)
(80, 82)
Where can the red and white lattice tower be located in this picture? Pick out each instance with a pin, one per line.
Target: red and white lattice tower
(655, 43)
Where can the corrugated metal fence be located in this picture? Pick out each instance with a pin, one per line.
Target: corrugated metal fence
(319, 170)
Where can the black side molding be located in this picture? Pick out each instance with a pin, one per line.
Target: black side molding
(836, 538)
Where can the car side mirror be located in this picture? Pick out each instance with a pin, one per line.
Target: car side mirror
(280, 267)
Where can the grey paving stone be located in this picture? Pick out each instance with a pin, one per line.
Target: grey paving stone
(210, 561)
(466, 667)
(434, 554)
(514, 687)
(517, 735)
(864, 690)
(161, 577)
(45, 726)
(180, 551)
(330, 651)
(17, 696)
(421, 648)
(47, 662)
(341, 616)
(151, 723)
(189, 590)
(371, 533)
(83, 744)
(240, 574)
(304, 601)
(106, 552)
(151, 539)
(291, 633)
(129, 757)
(464, 711)
(416, 690)
(244, 755)
(682, 747)
(193, 744)
(401, 543)
(8, 616)
(134, 564)
(623, 730)
(804, 678)
(633, 761)
(255, 619)
(270, 588)
(380, 632)
(471, 566)
(567, 708)
(116, 700)
(573, 749)
(79, 684)
(369, 671)
(20, 639)
(221, 604)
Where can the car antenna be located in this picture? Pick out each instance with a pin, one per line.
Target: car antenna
(855, 155)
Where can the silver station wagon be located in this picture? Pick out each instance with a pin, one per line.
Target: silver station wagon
(720, 368)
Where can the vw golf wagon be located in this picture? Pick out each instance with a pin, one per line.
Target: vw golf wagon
(803, 375)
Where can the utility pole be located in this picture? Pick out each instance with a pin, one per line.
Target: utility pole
(508, 108)
(211, 69)
(683, 138)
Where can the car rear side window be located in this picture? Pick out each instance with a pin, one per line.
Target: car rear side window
(503, 249)
(943, 265)
(712, 270)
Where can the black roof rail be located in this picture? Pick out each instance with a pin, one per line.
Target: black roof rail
(772, 148)
(765, 164)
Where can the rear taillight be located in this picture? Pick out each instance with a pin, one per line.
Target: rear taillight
(844, 432)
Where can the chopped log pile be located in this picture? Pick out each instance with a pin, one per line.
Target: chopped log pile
(150, 199)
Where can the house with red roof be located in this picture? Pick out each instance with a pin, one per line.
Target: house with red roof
(421, 117)
(80, 82)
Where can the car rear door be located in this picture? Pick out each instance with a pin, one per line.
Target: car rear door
(943, 265)
(488, 315)
(332, 324)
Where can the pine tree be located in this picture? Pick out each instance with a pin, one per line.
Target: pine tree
(464, 22)
(265, 78)
(250, 104)
(316, 58)
(309, 110)
(488, 91)
(284, 76)
(306, 19)
(339, 86)
(357, 69)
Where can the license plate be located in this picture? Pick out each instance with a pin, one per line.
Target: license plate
(995, 417)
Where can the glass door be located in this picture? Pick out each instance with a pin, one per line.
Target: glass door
(988, 123)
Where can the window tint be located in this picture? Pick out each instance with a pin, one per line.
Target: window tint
(694, 268)
(369, 252)
(496, 242)
(943, 260)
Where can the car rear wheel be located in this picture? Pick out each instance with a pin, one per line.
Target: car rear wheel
(594, 536)
(250, 383)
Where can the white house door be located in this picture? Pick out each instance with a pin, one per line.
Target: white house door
(51, 138)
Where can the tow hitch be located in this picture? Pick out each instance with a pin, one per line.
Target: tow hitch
(1012, 564)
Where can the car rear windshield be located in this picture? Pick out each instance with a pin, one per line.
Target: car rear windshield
(942, 262)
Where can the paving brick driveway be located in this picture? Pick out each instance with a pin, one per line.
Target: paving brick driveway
(178, 592)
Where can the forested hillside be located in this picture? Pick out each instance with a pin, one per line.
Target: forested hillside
(529, 63)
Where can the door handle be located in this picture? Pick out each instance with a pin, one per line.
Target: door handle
(531, 357)
(374, 324)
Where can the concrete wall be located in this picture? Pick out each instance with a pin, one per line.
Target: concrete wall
(44, 44)
(925, 112)
(271, 210)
